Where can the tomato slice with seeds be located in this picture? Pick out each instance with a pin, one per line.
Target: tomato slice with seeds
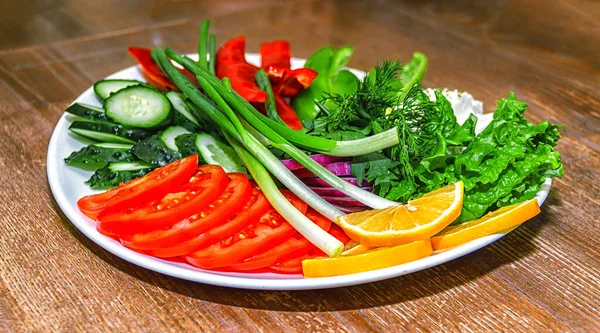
(295, 246)
(256, 207)
(294, 200)
(205, 186)
(263, 237)
(152, 186)
(268, 231)
(201, 218)
(293, 265)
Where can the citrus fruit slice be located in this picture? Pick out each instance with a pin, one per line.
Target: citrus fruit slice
(353, 247)
(417, 220)
(374, 259)
(492, 222)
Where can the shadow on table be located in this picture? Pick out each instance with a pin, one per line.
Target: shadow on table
(511, 248)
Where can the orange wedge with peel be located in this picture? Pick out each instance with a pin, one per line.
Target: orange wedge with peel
(371, 260)
(493, 222)
(419, 219)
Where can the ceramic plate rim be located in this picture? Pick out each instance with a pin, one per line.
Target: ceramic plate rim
(58, 171)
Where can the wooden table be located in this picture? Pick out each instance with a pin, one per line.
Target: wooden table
(542, 277)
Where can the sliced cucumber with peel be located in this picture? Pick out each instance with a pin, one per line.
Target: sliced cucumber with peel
(104, 88)
(130, 166)
(170, 134)
(87, 111)
(214, 151)
(107, 132)
(139, 106)
(183, 115)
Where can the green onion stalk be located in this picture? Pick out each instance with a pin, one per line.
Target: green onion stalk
(233, 127)
(299, 221)
(357, 147)
(278, 141)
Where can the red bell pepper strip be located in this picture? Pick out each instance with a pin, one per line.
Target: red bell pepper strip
(241, 75)
(295, 81)
(233, 51)
(276, 74)
(287, 113)
(276, 53)
(231, 63)
(157, 78)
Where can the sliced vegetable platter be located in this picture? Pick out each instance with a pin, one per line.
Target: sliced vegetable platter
(68, 186)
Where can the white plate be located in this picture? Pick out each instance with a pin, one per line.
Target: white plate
(67, 184)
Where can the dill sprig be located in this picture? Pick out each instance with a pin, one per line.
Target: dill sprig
(412, 118)
(374, 94)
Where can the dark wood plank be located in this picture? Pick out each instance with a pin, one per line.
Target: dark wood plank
(541, 277)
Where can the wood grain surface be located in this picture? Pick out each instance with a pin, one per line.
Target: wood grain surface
(544, 276)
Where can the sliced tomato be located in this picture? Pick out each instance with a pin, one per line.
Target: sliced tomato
(293, 265)
(291, 248)
(268, 231)
(294, 247)
(338, 233)
(256, 207)
(205, 186)
(200, 218)
(152, 186)
(294, 200)
(287, 113)
(271, 231)
(275, 53)
(156, 75)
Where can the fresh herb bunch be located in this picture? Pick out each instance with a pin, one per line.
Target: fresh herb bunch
(415, 121)
(355, 111)
(506, 163)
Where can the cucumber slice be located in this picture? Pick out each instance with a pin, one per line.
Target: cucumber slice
(214, 151)
(110, 145)
(99, 155)
(183, 115)
(87, 111)
(108, 132)
(139, 106)
(129, 166)
(104, 88)
(186, 145)
(169, 135)
(154, 151)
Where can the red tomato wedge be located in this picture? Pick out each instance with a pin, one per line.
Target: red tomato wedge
(157, 77)
(268, 231)
(201, 217)
(287, 114)
(256, 207)
(205, 186)
(152, 186)
(294, 247)
(275, 53)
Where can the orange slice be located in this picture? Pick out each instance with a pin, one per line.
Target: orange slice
(417, 220)
(353, 248)
(492, 222)
(374, 259)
